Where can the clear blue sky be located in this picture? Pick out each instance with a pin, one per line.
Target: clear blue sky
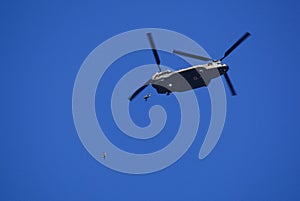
(43, 44)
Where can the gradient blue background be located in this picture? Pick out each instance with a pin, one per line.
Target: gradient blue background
(43, 44)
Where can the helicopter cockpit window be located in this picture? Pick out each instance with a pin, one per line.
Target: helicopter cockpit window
(161, 74)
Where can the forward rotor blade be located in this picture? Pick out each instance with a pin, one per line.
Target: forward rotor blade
(235, 45)
(191, 55)
(139, 90)
(229, 84)
(154, 50)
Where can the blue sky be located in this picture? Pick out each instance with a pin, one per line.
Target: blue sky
(43, 45)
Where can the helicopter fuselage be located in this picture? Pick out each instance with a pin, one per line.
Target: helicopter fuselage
(188, 78)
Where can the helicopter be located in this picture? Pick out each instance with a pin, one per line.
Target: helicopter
(166, 82)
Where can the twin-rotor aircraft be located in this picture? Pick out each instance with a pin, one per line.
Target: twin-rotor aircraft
(189, 78)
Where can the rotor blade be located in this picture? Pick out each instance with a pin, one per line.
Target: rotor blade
(154, 50)
(139, 90)
(235, 45)
(191, 55)
(229, 84)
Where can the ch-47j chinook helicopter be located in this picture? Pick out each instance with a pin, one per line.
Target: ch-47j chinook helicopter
(189, 78)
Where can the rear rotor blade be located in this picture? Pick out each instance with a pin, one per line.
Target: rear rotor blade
(229, 84)
(139, 90)
(235, 45)
(191, 55)
(154, 50)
